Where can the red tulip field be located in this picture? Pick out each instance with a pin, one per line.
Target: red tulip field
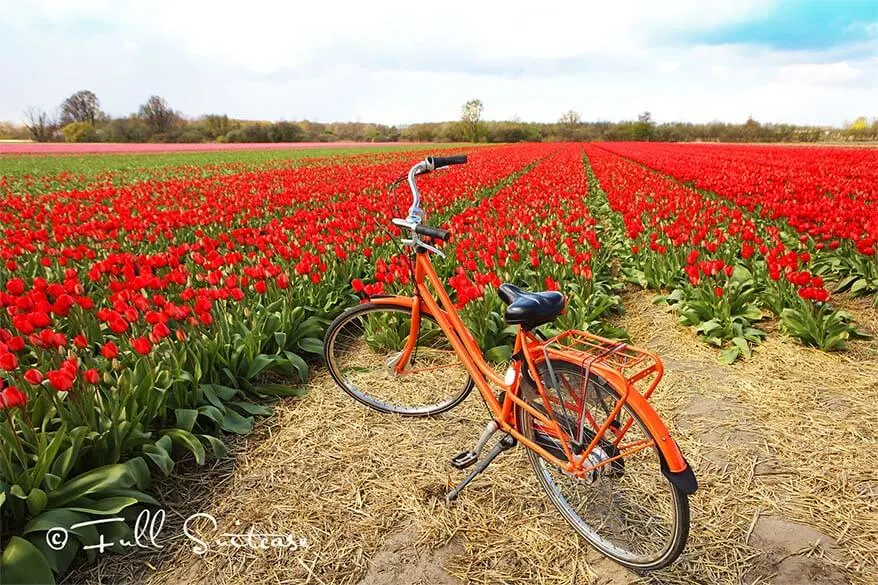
(161, 330)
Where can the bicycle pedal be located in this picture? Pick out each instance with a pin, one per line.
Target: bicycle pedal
(464, 460)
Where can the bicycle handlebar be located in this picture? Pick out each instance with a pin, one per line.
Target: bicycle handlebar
(433, 232)
(443, 161)
(427, 165)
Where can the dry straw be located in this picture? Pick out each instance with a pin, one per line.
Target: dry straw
(784, 446)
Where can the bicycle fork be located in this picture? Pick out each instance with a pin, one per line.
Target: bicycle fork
(468, 458)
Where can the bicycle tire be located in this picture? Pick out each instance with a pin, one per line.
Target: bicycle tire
(456, 381)
(678, 503)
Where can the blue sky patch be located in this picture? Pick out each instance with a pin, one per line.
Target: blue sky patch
(803, 25)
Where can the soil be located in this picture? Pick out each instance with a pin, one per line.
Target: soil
(401, 561)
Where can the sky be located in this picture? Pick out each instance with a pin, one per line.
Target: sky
(393, 62)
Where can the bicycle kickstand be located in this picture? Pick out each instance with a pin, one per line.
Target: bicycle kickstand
(468, 458)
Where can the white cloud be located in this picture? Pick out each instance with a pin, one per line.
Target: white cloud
(399, 62)
(820, 73)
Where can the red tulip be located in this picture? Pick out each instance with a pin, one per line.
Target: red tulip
(141, 345)
(8, 362)
(33, 376)
(11, 397)
(110, 351)
(15, 286)
(61, 381)
(40, 319)
(161, 331)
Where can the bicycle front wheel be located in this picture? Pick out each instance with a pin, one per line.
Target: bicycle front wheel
(626, 509)
(363, 346)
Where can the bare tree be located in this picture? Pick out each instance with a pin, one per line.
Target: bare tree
(83, 106)
(570, 118)
(471, 118)
(569, 125)
(157, 114)
(40, 124)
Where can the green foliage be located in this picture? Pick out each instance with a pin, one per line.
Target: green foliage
(485, 320)
(726, 321)
(23, 563)
(856, 273)
(156, 122)
(131, 129)
(818, 325)
(73, 459)
(57, 503)
(79, 132)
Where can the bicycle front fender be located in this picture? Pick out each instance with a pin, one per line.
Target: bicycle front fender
(394, 300)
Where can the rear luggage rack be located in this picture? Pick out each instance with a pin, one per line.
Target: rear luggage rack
(632, 363)
(595, 443)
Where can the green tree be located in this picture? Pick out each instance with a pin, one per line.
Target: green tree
(285, 132)
(471, 119)
(79, 132)
(216, 125)
(644, 127)
(424, 132)
(130, 129)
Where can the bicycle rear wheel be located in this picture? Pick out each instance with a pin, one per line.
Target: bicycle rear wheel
(626, 509)
(361, 349)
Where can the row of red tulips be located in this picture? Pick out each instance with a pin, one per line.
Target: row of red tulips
(828, 196)
(727, 267)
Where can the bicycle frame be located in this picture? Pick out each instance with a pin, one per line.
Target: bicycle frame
(528, 347)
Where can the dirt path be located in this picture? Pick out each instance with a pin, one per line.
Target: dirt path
(783, 446)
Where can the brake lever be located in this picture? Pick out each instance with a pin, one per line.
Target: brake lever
(422, 244)
(415, 240)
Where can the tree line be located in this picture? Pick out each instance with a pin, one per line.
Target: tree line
(79, 118)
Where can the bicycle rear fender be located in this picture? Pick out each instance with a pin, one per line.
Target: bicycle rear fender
(674, 466)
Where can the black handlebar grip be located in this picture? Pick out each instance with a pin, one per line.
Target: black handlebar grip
(444, 161)
(433, 232)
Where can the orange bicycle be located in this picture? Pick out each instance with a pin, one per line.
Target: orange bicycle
(578, 402)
